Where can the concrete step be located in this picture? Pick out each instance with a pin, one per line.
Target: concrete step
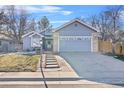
(50, 60)
(50, 56)
(51, 69)
(52, 66)
(51, 63)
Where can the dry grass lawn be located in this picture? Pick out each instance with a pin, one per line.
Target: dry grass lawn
(19, 63)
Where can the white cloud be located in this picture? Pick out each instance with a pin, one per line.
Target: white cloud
(51, 9)
(55, 9)
(67, 12)
(44, 9)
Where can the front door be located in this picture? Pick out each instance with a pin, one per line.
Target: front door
(49, 45)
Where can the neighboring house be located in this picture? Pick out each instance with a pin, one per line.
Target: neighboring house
(73, 36)
(31, 41)
(6, 44)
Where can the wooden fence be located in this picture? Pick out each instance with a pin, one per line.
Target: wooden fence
(106, 47)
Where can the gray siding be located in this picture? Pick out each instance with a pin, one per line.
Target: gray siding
(7, 46)
(73, 30)
(26, 43)
(36, 39)
(27, 46)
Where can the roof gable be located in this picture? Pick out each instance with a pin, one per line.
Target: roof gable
(30, 34)
(72, 21)
(36, 34)
(27, 34)
(46, 32)
(5, 37)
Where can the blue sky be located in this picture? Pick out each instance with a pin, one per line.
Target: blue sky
(59, 14)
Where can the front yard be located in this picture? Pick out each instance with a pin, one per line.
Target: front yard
(18, 63)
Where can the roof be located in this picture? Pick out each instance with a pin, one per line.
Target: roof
(5, 37)
(43, 32)
(35, 34)
(47, 32)
(27, 34)
(75, 20)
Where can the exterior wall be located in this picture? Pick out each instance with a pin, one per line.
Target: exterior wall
(7, 46)
(18, 47)
(27, 44)
(72, 30)
(35, 39)
(55, 42)
(11, 46)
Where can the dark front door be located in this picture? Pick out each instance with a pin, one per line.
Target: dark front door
(49, 45)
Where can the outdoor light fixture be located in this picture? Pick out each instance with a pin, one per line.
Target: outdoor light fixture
(41, 42)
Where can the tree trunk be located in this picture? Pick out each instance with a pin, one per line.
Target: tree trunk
(121, 49)
(113, 48)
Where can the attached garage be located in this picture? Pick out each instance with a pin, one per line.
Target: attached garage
(75, 36)
(75, 43)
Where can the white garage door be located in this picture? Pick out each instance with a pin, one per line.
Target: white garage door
(75, 44)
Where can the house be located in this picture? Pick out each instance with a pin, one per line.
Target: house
(32, 40)
(6, 43)
(73, 36)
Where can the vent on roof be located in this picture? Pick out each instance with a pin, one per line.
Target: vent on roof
(76, 25)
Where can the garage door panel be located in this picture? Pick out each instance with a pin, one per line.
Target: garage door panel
(75, 45)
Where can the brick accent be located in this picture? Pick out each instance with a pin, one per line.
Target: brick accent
(95, 42)
(55, 42)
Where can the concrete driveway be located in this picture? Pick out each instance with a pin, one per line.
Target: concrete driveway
(95, 66)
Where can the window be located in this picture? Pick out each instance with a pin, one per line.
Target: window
(75, 37)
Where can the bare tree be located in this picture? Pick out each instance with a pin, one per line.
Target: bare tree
(18, 22)
(102, 23)
(3, 20)
(32, 25)
(114, 14)
(108, 23)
